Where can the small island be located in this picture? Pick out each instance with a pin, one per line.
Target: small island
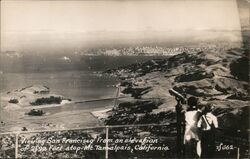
(35, 95)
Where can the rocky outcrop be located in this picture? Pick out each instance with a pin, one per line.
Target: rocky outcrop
(14, 101)
(36, 112)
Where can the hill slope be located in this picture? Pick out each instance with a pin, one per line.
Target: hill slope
(220, 79)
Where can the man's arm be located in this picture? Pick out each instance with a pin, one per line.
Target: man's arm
(199, 123)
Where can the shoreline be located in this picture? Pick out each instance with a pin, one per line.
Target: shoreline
(52, 121)
(101, 114)
(15, 116)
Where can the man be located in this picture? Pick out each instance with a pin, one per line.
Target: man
(207, 123)
(192, 134)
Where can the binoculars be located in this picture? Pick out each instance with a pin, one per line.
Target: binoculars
(177, 96)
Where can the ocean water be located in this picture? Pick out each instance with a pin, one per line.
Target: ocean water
(77, 81)
(77, 85)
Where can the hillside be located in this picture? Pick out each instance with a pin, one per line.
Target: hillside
(220, 79)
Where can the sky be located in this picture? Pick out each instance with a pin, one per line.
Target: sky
(58, 24)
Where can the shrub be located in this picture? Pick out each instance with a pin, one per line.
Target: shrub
(14, 101)
(48, 100)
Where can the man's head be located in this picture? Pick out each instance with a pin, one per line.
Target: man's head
(192, 101)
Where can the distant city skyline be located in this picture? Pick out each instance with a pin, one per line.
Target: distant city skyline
(53, 25)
